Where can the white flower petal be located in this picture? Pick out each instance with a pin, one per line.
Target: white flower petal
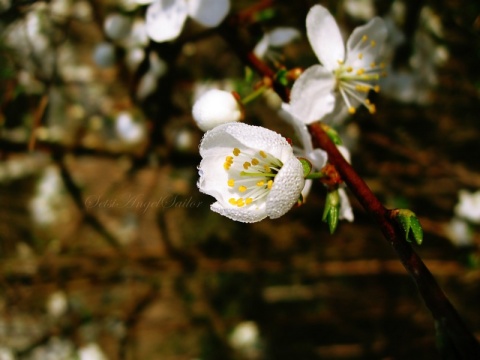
(165, 19)
(208, 12)
(282, 35)
(324, 36)
(261, 48)
(286, 189)
(312, 94)
(346, 212)
(244, 214)
(366, 40)
(224, 138)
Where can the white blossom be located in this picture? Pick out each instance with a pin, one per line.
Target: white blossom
(129, 130)
(216, 107)
(468, 206)
(251, 171)
(165, 18)
(347, 73)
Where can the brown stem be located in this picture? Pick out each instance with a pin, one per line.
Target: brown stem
(435, 299)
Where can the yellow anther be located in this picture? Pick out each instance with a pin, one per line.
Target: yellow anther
(236, 151)
(349, 69)
(261, 183)
(269, 184)
(382, 65)
(232, 201)
(240, 202)
(242, 188)
(360, 56)
(351, 110)
(372, 64)
(376, 88)
(373, 43)
(248, 201)
(364, 38)
(360, 71)
(340, 62)
(229, 159)
(262, 154)
(367, 101)
(231, 182)
(227, 165)
(267, 168)
(246, 165)
(372, 109)
(255, 161)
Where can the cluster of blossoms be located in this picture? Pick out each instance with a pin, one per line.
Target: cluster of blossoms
(255, 173)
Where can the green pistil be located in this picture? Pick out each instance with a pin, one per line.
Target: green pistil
(244, 173)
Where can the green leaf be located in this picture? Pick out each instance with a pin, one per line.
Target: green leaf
(410, 225)
(281, 77)
(307, 166)
(333, 135)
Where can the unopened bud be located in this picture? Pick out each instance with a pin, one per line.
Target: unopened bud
(214, 108)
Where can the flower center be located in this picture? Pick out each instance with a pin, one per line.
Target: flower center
(354, 82)
(250, 175)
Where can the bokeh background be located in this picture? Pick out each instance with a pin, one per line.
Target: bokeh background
(109, 251)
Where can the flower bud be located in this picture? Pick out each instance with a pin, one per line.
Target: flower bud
(216, 107)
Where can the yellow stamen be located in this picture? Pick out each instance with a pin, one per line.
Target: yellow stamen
(364, 38)
(229, 159)
(360, 56)
(267, 168)
(360, 71)
(240, 202)
(376, 88)
(373, 43)
(262, 154)
(372, 109)
(255, 161)
(261, 183)
(246, 165)
(248, 201)
(349, 69)
(269, 184)
(340, 62)
(372, 64)
(351, 110)
(236, 151)
(232, 201)
(227, 165)
(231, 183)
(242, 188)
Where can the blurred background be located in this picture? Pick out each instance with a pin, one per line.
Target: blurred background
(109, 251)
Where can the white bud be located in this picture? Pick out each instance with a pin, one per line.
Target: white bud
(216, 107)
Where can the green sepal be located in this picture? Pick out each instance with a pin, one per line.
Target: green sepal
(333, 135)
(281, 77)
(307, 166)
(410, 224)
(332, 210)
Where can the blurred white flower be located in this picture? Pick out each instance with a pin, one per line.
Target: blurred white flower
(459, 232)
(327, 92)
(245, 338)
(277, 37)
(117, 26)
(149, 81)
(46, 205)
(91, 351)
(360, 9)
(216, 107)
(165, 18)
(128, 129)
(57, 304)
(104, 54)
(468, 206)
(251, 171)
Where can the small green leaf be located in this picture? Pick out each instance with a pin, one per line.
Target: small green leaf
(409, 221)
(307, 166)
(333, 135)
(332, 210)
(281, 77)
